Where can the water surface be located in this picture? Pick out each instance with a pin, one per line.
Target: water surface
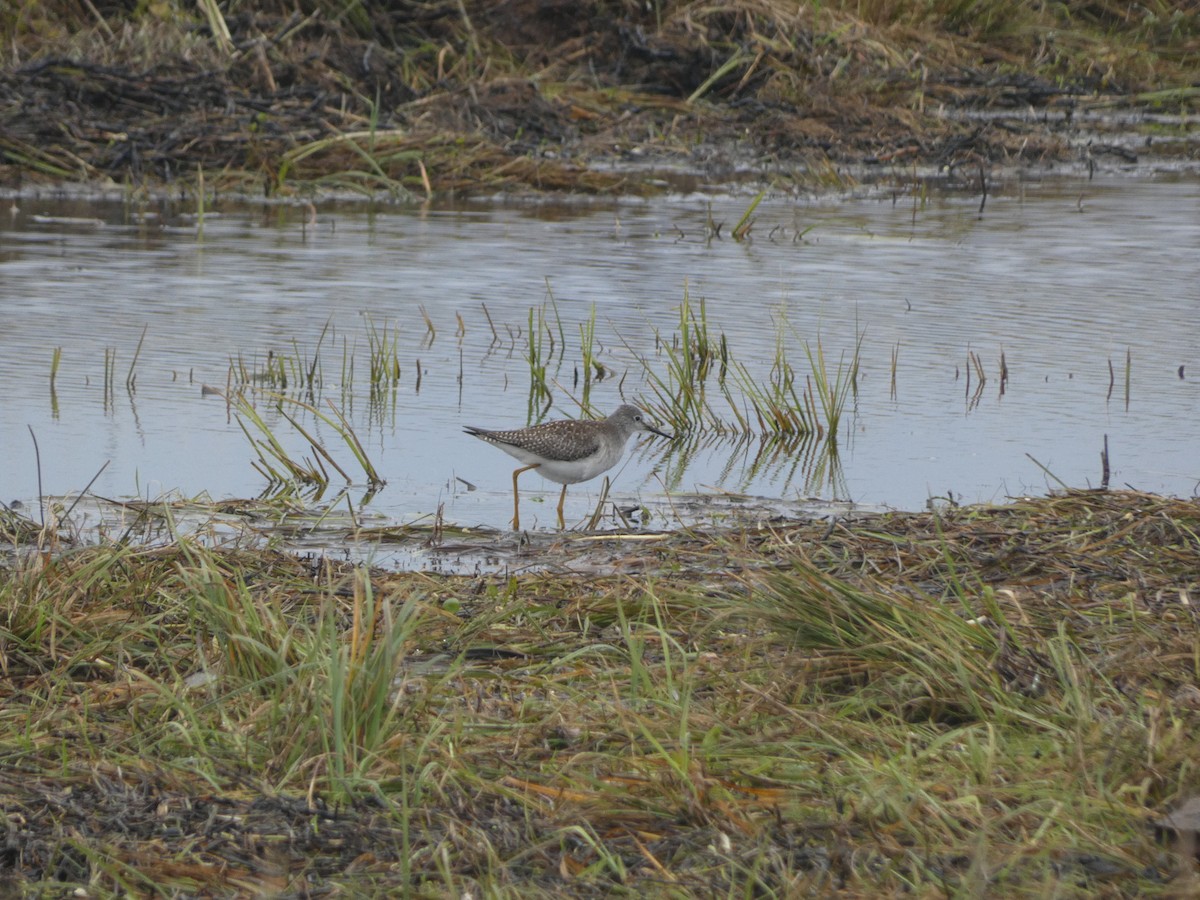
(1063, 278)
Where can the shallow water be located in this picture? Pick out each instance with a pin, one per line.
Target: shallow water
(1062, 277)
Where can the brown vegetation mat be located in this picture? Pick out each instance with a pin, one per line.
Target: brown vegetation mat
(449, 95)
(986, 700)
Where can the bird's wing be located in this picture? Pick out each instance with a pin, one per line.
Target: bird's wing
(563, 441)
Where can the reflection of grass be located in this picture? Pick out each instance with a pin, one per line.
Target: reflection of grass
(989, 701)
(803, 461)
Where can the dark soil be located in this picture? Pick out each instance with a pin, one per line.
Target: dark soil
(599, 96)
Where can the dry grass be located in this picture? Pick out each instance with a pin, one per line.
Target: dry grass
(989, 700)
(448, 96)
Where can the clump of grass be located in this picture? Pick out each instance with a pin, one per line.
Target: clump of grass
(345, 431)
(776, 405)
(17, 528)
(366, 162)
(340, 666)
(593, 369)
(275, 372)
(680, 395)
(947, 651)
(281, 467)
(540, 347)
(298, 370)
(780, 405)
(355, 680)
(278, 465)
(832, 390)
(384, 367)
(253, 641)
(741, 231)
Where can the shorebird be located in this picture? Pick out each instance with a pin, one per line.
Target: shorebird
(567, 451)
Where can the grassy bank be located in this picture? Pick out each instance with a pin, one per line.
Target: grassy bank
(417, 99)
(985, 701)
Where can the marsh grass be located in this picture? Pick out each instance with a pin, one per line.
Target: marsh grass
(18, 529)
(131, 376)
(541, 347)
(775, 405)
(367, 162)
(384, 358)
(698, 367)
(274, 372)
(110, 369)
(300, 370)
(833, 389)
(680, 392)
(281, 467)
(275, 462)
(447, 120)
(589, 360)
(343, 429)
(991, 700)
(741, 231)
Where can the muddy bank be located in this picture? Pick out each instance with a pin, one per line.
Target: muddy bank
(605, 96)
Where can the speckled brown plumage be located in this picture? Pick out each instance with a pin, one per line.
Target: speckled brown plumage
(567, 451)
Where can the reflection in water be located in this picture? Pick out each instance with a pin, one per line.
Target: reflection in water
(415, 322)
(808, 463)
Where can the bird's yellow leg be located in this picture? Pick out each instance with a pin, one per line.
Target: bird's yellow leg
(517, 497)
(561, 497)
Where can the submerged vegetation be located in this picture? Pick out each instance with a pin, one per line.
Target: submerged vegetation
(453, 95)
(986, 700)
